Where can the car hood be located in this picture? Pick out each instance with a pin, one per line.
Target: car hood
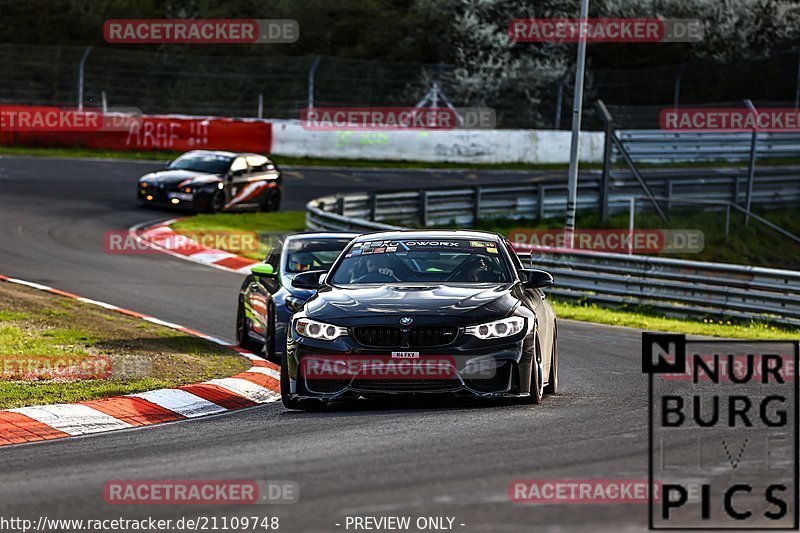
(459, 302)
(182, 178)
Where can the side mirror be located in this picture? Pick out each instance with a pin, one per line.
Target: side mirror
(263, 269)
(308, 280)
(167, 163)
(535, 279)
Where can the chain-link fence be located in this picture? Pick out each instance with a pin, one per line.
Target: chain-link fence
(176, 81)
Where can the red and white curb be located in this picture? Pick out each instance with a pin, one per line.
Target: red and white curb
(162, 237)
(260, 384)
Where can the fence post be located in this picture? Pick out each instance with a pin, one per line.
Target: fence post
(631, 223)
(797, 88)
(311, 73)
(607, 153)
(476, 208)
(105, 102)
(559, 99)
(80, 77)
(340, 204)
(676, 96)
(423, 206)
(751, 166)
(260, 105)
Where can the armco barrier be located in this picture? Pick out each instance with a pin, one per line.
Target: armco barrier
(676, 287)
(151, 132)
(547, 198)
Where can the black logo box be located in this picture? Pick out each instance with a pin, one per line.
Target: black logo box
(676, 364)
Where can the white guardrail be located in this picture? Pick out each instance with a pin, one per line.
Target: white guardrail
(675, 287)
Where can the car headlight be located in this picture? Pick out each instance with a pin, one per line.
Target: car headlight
(294, 304)
(318, 330)
(497, 329)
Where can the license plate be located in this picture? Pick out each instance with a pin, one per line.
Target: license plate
(405, 355)
(181, 195)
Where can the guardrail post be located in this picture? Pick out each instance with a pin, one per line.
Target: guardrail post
(373, 206)
(340, 204)
(423, 207)
(607, 153)
(727, 221)
(540, 201)
(669, 194)
(476, 208)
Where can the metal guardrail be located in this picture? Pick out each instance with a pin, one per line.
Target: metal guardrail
(659, 146)
(542, 199)
(675, 287)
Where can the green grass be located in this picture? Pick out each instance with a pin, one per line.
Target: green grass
(244, 234)
(632, 318)
(755, 244)
(37, 328)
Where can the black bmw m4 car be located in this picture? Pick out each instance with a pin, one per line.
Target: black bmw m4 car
(422, 312)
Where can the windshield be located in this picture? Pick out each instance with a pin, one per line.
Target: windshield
(426, 261)
(209, 163)
(313, 254)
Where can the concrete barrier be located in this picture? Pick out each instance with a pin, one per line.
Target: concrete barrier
(289, 138)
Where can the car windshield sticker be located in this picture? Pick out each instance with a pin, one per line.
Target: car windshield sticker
(379, 247)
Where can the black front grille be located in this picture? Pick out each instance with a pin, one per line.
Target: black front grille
(378, 336)
(429, 336)
(325, 385)
(401, 385)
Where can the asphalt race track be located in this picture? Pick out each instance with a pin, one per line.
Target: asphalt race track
(426, 459)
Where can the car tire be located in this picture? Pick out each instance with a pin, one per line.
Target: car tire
(269, 348)
(272, 200)
(552, 381)
(217, 202)
(243, 340)
(535, 396)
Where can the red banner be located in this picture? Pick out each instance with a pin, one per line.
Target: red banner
(147, 132)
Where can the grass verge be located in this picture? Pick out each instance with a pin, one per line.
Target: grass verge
(244, 234)
(37, 328)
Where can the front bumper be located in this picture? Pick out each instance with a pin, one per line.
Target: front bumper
(174, 199)
(474, 368)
